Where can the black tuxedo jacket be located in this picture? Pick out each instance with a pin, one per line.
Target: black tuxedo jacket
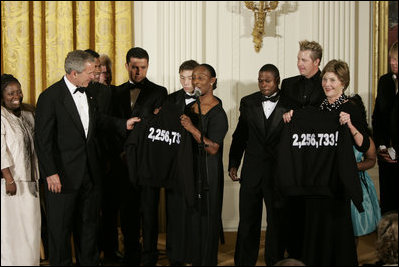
(298, 91)
(178, 99)
(151, 97)
(385, 116)
(61, 145)
(257, 138)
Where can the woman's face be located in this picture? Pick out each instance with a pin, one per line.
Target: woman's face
(267, 83)
(332, 86)
(12, 96)
(202, 80)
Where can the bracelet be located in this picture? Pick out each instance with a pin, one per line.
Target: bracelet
(355, 134)
(10, 182)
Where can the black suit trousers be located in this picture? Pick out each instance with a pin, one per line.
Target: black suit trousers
(388, 179)
(149, 215)
(77, 212)
(249, 229)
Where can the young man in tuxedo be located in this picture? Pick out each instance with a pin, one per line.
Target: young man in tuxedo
(138, 97)
(177, 218)
(257, 134)
(185, 96)
(66, 127)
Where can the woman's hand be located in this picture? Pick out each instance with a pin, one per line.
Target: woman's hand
(345, 118)
(11, 188)
(287, 116)
(186, 123)
(233, 174)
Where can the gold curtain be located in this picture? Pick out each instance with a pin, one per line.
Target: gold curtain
(380, 43)
(37, 35)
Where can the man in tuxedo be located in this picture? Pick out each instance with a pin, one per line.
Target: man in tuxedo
(185, 96)
(66, 128)
(385, 128)
(108, 232)
(298, 92)
(137, 97)
(304, 89)
(257, 134)
(177, 218)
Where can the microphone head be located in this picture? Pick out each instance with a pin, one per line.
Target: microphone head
(197, 92)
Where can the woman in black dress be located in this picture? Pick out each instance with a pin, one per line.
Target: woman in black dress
(325, 233)
(206, 219)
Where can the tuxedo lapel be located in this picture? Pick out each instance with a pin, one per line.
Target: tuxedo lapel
(259, 116)
(180, 100)
(71, 108)
(276, 119)
(91, 116)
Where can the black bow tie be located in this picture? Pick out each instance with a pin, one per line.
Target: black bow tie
(186, 96)
(139, 85)
(80, 89)
(271, 99)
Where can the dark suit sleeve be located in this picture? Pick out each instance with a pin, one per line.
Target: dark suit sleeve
(45, 131)
(361, 125)
(111, 124)
(240, 137)
(163, 93)
(378, 128)
(347, 168)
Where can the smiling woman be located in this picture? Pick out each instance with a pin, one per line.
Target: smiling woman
(20, 208)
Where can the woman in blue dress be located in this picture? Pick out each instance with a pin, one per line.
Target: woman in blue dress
(366, 222)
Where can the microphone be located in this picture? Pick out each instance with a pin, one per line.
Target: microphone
(197, 92)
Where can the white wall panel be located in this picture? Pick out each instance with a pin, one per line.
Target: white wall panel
(219, 33)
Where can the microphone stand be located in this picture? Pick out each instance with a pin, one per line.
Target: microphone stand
(202, 181)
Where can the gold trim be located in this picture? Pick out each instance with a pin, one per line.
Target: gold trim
(380, 44)
(260, 10)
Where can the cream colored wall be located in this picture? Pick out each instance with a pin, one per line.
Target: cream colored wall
(219, 33)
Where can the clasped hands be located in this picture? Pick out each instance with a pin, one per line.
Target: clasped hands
(344, 118)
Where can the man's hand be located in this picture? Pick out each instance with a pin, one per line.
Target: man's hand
(54, 183)
(384, 156)
(130, 122)
(287, 116)
(233, 174)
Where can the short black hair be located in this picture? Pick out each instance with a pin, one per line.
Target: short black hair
(93, 53)
(136, 52)
(188, 65)
(6, 79)
(272, 69)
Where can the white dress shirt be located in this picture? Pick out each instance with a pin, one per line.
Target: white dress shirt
(81, 103)
(268, 106)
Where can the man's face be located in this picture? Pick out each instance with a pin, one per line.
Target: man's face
(105, 76)
(137, 69)
(97, 70)
(86, 76)
(185, 80)
(267, 83)
(393, 62)
(306, 66)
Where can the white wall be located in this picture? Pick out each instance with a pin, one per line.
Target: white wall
(219, 33)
